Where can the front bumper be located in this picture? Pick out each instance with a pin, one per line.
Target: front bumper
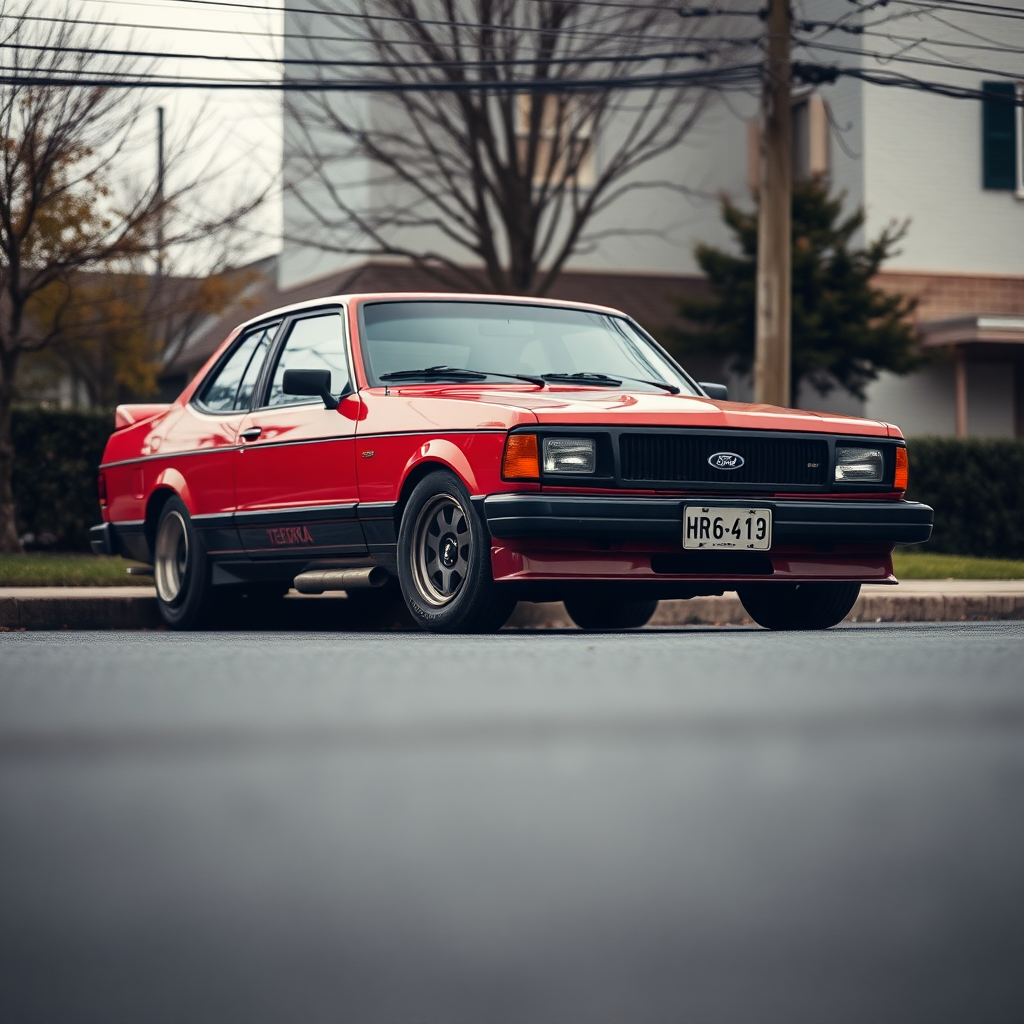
(611, 519)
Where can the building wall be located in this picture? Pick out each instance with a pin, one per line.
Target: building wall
(923, 161)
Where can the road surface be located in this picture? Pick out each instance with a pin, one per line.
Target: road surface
(721, 825)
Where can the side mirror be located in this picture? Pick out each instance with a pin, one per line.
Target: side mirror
(314, 383)
(719, 391)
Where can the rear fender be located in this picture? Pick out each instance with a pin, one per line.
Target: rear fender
(171, 479)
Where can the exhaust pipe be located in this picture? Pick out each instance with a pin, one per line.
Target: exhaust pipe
(319, 580)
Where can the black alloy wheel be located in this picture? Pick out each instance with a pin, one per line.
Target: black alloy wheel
(444, 561)
(798, 605)
(609, 611)
(181, 570)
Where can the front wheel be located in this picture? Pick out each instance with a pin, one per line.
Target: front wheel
(180, 569)
(798, 605)
(444, 561)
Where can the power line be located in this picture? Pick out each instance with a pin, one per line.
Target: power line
(963, 7)
(398, 65)
(441, 22)
(743, 74)
(886, 57)
(822, 74)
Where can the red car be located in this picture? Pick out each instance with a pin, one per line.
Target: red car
(483, 450)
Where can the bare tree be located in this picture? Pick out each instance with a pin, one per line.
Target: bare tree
(479, 142)
(68, 205)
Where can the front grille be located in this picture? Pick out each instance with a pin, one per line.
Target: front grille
(683, 458)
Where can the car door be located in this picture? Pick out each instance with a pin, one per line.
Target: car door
(295, 479)
(199, 445)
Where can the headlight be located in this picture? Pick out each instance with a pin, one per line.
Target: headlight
(859, 465)
(570, 455)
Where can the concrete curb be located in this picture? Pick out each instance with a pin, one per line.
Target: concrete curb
(870, 607)
(98, 608)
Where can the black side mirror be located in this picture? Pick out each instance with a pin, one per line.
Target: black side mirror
(310, 382)
(719, 391)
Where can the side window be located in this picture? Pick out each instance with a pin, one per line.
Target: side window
(231, 386)
(248, 384)
(313, 343)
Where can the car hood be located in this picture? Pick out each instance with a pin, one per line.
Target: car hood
(603, 407)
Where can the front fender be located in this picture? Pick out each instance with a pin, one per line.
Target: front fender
(444, 453)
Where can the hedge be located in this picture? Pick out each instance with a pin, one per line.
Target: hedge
(975, 485)
(56, 454)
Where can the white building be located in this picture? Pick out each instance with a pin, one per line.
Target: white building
(954, 167)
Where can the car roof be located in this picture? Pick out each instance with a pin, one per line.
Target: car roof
(523, 300)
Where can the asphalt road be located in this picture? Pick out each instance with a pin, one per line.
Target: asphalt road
(681, 826)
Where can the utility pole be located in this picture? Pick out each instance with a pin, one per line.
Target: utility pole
(772, 353)
(159, 194)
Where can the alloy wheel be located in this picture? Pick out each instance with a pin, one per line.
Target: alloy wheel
(442, 538)
(171, 559)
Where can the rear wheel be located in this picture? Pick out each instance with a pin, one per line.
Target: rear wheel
(798, 605)
(181, 571)
(444, 561)
(597, 612)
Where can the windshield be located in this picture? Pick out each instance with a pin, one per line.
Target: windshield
(511, 339)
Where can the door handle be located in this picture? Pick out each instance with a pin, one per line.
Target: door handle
(251, 434)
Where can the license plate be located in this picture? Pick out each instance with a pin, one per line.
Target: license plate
(706, 527)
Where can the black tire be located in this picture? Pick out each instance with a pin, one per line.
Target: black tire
(444, 561)
(181, 570)
(798, 605)
(609, 612)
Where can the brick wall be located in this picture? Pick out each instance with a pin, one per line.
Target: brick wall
(946, 295)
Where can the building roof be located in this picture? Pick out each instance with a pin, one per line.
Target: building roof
(648, 298)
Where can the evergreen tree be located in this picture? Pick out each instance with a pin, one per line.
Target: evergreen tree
(845, 330)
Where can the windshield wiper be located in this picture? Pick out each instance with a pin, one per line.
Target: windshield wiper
(604, 380)
(457, 373)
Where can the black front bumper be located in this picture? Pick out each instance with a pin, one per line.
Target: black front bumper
(659, 520)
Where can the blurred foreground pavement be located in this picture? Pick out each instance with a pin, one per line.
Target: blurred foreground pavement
(720, 825)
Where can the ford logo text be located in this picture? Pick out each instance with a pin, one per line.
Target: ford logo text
(726, 460)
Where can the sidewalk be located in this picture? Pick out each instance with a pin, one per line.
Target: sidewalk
(911, 601)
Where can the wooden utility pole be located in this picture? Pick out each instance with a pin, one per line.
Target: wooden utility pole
(772, 354)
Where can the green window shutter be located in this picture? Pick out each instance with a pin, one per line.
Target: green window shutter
(998, 135)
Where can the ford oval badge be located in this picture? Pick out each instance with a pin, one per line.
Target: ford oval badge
(726, 460)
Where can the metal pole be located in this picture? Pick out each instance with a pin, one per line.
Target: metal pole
(772, 353)
(160, 192)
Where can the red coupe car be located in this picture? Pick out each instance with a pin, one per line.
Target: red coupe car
(483, 450)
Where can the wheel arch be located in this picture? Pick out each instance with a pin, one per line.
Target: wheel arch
(432, 456)
(169, 484)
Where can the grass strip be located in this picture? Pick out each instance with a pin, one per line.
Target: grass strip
(926, 565)
(39, 569)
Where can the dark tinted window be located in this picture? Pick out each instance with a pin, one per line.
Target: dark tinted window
(231, 386)
(314, 343)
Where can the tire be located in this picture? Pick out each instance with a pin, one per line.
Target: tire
(444, 561)
(611, 612)
(798, 605)
(181, 570)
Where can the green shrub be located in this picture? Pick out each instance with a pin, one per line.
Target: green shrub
(56, 455)
(976, 486)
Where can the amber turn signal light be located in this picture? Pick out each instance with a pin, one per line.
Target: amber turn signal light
(902, 469)
(521, 461)
(101, 490)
